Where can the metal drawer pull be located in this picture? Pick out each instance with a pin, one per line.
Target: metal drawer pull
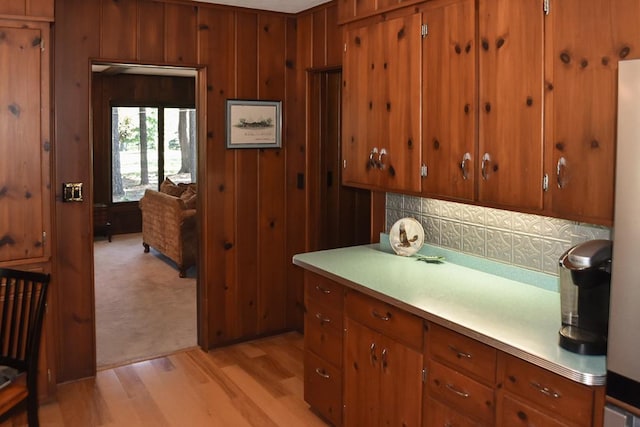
(461, 354)
(322, 319)
(323, 290)
(322, 373)
(545, 390)
(452, 388)
(385, 317)
(384, 358)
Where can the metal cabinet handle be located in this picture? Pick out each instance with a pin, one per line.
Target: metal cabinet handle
(322, 373)
(486, 158)
(460, 393)
(322, 319)
(383, 152)
(372, 353)
(561, 175)
(545, 390)
(384, 317)
(323, 290)
(463, 165)
(459, 353)
(383, 357)
(373, 161)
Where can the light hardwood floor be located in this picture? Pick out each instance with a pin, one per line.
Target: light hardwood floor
(258, 383)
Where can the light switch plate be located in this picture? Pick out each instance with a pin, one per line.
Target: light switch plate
(72, 192)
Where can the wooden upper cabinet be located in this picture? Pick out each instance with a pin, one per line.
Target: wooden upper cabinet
(31, 9)
(582, 93)
(381, 105)
(25, 198)
(511, 64)
(449, 100)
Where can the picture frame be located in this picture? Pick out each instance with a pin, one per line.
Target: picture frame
(254, 123)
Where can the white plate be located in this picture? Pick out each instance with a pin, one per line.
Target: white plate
(406, 236)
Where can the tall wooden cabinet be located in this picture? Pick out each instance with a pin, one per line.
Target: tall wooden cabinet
(25, 146)
(381, 104)
(25, 153)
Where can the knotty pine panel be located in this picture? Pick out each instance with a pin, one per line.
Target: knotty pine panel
(318, 47)
(226, 42)
(216, 34)
(76, 41)
(118, 29)
(294, 133)
(150, 31)
(271, 184)
(181, 44)
(333, 36)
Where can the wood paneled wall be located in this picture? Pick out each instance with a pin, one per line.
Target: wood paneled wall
(33, 10)
(253, 214)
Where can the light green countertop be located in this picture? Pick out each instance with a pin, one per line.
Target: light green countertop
(515, 317)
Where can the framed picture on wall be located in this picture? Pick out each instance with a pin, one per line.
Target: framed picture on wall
(254, 124)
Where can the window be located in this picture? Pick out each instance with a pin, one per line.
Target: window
(150, 144)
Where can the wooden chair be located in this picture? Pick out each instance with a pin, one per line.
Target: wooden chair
(22, 302)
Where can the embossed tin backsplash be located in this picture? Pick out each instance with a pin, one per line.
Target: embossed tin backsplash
(524, 240)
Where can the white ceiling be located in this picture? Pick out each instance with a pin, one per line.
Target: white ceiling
(287, 6)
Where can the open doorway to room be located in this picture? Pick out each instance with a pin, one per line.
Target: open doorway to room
(144, 155)
(339, 216)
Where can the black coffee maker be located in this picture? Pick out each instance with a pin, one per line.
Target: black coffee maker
(585, 281)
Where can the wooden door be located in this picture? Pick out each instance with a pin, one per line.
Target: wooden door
(25, 145)
(511, 85)
(400, 384)
(361, 375)
(582, 93)
(449, 100)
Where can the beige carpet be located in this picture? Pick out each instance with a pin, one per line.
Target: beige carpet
(143, 309)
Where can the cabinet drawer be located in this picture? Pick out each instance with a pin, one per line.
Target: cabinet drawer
(323, 332)
(323, 290)
(438, 414)
(323, 388)
(463, 353)
(385, 318)
(469, 397)
(550, 391)
(515, 413)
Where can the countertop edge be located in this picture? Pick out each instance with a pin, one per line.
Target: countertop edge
(580, 377)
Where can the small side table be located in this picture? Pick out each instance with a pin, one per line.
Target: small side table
(101, 223)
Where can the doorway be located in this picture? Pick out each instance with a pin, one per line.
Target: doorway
(143, 309)
(340, 216)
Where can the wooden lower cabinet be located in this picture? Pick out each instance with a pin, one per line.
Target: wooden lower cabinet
(528, 392)
(439, 414)
(368, 363)
(323, 316)
(383, 376)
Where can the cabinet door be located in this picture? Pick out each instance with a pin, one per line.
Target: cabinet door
(356, 109)
(583, 94)
(511, 86)
(361, 375)
(24, 151)
(400, 384)
(449, 100)
(381, 105)
(398, 112)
